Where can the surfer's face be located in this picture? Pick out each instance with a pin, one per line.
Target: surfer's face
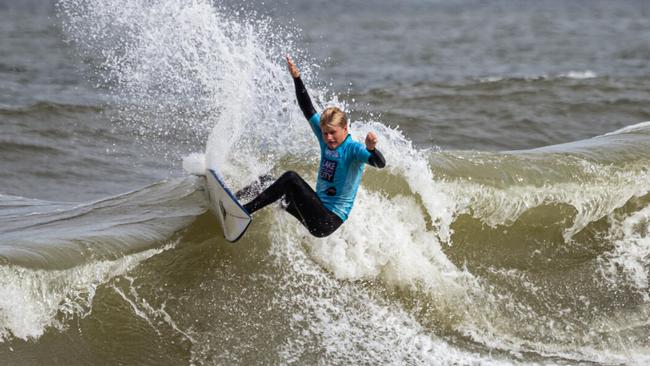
(334, 135)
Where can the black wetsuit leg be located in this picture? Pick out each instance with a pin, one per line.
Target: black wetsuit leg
(300, 201)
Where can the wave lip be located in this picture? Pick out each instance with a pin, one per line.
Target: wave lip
(49, 235)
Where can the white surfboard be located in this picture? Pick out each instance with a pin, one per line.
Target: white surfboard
(233, 218)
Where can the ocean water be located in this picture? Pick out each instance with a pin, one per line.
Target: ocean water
(510, 227)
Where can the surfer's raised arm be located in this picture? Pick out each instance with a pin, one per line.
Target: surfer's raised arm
(376, 159)
(301, 92)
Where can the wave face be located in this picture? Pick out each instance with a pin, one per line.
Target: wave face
(54, 255)
(535, 256)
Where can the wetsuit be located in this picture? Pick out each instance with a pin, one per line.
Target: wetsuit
(324, 210)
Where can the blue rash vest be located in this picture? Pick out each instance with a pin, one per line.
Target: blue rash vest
(340, 171)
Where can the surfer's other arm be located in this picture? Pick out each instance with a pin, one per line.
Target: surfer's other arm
(301, 92)
(376, 159)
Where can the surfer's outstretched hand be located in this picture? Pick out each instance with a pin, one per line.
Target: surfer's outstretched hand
(371, 141)
(293, 69)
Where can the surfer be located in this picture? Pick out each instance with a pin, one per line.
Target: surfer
(341, 167)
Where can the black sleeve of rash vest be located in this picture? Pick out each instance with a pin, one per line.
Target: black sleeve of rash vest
(376, 159)
(303, 98)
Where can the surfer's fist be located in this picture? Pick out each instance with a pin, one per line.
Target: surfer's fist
(293, 69)
(371, 141)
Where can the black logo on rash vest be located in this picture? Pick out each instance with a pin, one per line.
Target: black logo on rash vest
(327, 170)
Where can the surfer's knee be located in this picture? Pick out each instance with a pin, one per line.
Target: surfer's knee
(291, 176)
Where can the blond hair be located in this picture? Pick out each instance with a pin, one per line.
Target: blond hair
(333, 116)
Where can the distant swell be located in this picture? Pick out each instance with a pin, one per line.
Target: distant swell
(48, 107)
